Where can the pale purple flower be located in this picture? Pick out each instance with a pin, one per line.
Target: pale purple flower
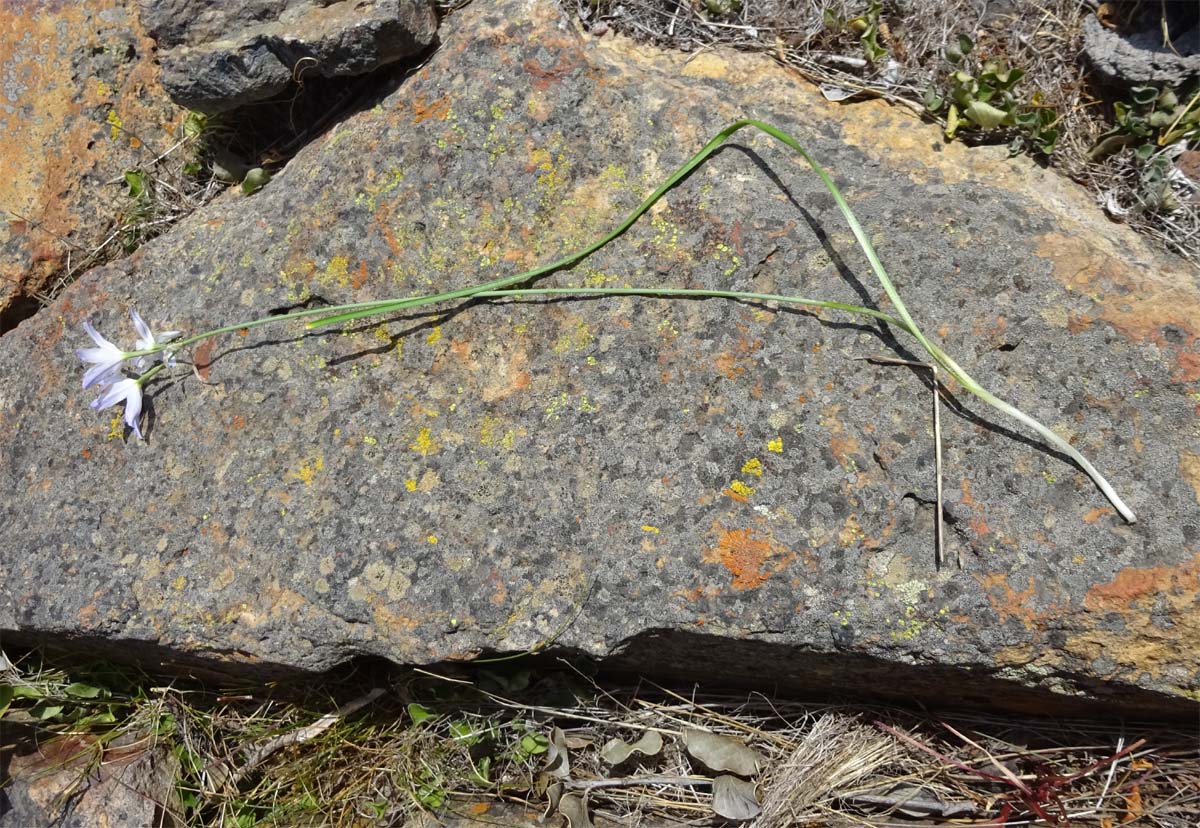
(105, 358)
(129, 390)
(147, 341)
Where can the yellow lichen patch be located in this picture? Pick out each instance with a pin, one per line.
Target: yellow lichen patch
(753, 466)
(575, 338)
(116, 429)
(434, 335)
(308, 469)
(706, 65)
(431, 539)
(370, 194)
(750, 557)
(425, 444)
(411, 484)
(492, 433)
(740, 488)
(775, 445)
(337, 272)
(653, 530)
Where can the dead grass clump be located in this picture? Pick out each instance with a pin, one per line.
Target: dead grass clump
(330, 754)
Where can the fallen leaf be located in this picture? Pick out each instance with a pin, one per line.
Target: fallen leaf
(722, 753)
(617, 751)
(734, 798)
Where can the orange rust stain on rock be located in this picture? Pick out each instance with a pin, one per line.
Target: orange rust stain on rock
(1151, 297)
(1189, 467)
(749, 557)
(1009, 603)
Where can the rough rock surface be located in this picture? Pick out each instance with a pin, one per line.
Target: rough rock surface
(80, 103)
(1141, 58)
(218, 56)
(725, 489)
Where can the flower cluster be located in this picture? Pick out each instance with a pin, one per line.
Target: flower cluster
(106, 360)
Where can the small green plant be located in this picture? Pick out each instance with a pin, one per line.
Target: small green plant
(1151, 118)
(195, 124)
(866, 26)
(982, 98)
(722, 8)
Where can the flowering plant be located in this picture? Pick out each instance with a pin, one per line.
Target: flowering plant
(106, 360)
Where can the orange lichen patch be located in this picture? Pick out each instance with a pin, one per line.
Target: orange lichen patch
(843, 446)
(1094, 515)
(479, 808)
(1077, 322)
(1142, 645)
(56, 133)
(851, 533)
(1132, 585)
(507, 375)
(1187, 367)
(202, 358)
(545, 78)
(1152, 297)
(749, 556)
(699, 593)
(1189, 467)
(1008, 602)
(728, 365)
(424, 110)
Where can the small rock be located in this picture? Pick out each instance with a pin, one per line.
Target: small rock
(217, 58)
(1139, 57)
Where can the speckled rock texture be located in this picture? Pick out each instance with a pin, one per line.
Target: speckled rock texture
(80, 103)
(727, 491)
(219, 56)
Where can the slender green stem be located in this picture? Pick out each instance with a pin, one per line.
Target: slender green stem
(903, 319)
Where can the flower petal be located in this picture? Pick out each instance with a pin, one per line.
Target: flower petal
(102, 373)
(143, 330)
(133, 409)
(96, 337)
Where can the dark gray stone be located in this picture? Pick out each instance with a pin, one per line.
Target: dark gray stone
(727, 490)
(1141, 58)
(217, 56)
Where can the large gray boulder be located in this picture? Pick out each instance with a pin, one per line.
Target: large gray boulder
(721, 491)
(219, 56)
